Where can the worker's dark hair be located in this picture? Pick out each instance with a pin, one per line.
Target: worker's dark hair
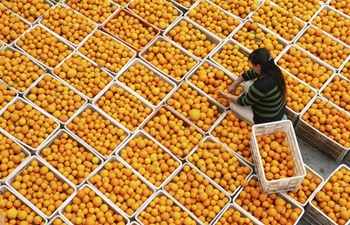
(268, 67)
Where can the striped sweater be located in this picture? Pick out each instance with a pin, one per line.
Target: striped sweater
(264, 97)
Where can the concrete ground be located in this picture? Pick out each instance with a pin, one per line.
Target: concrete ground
(318, 162)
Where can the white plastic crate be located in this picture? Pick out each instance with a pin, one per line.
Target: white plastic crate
(243, 50)
(113, 123)
(329, 83)
(142, 21)
(2, 44)
(212, 183)
(345, 68)
(160, 193)
(162, 77)
(44, 113)
(319, 141)
(280, 40)
(74, 86)
(211, 64)
(77, 8)
(56, 173)
(284, 184)
(293, 204)
(179, 13)
(59, 39)
(183, 51)
(142, 133)
(186, 124)
(211, 101)
(4, 189)
(13, 98)
(62, 218)
(25, 151)
(118, 84)
(315, 216)
(114, 73)
(75, 13)
(314, 175)
(105, 200)
(112, 159)
(86, 147)
(338, 13)
(304, 31)
(244, 214)
(239, 159)
(35, 84)
(22, 53)
(235, 18)
(314, 60)
(210, 37)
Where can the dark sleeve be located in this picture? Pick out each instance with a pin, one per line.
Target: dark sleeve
(249, 75)
(253, 96)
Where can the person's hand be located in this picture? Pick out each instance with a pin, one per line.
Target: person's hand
(223, 94)
(232, 87)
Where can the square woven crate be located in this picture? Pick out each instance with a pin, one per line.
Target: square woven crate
(284, 184)
(319, 141)
(315, 216)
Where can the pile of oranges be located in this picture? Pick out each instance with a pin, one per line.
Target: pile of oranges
(124, 107)
(39, 185)
(83, 75)
(169, 59)
(30, 11)
(324, 47)
(70, 158)
(232, 58)
(194, 106)
(27, 124)
(44, 46)
(161, 209)
(58, 221)
(17, 212)
(239, 8)
(149, 159)
(9, 33)
(298, 95)
(253, 37)
(301, 65)
(17, 61)
(307, 187)
(341, 6)
(96, 210)
(197, 194)
(330, 121)
(333, 23)
(11, 156)
(55, 98)
(234, 133)
(173, 132)
(211, 80)
(302, 10)
(6, 96)
(338, 92)
(123, 187)
(267, 15)
(346, 70)
(213, 19)
(192, 39)
(233, 216)
(220, 165)
(333, 198)
(130, 29)
(276, 155)
(68, 24)
(100, 133)
(160, 13)
(267, 208)
(97, 11)
(106, 52)
(146, 83)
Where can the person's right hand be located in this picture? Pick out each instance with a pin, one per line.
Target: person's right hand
(232, 87)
